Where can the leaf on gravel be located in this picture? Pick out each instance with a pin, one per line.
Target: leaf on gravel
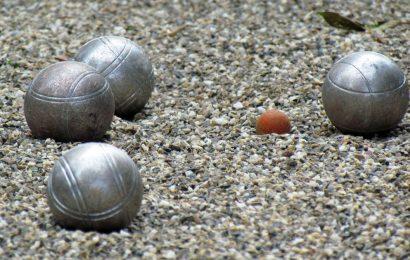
(377, 24)
(390, 24)
(338, 21)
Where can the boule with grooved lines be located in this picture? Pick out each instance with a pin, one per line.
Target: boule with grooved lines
(94, 186)
(69, 101)
(365, 92)
(126, 67)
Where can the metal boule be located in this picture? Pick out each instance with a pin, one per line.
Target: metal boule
(94, 186)
(365, 92)
(69, 101)
(126, 67)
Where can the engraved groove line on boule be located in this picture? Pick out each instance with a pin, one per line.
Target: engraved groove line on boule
(122, 60)
(129, 100)
(365, 79)
(74, 185)
(129, 45)
(53, 196)
(92, 216)
(42, 97)
(137, 183)
(134, 96)
(77, 80)
(74, 87)
(107, 42)
(367, 120)
(119, 182)
(95, 216)
(364, 93)
(117, 55)
(117, 177)
(70, 185)
(354, 92)
(71, 90)
(118, 58)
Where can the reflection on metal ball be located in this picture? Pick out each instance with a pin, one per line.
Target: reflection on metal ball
(69, 101)
(94, 186)
(126, 67)
(365, 92)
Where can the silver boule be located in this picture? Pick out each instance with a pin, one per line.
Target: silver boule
(94, 186)
(126, 67)
(69, 101)
(365, 92)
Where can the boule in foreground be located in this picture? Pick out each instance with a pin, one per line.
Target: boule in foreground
(94, 186)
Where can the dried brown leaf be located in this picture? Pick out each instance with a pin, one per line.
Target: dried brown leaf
(338, 21)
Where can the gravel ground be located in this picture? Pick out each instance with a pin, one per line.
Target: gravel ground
(213, 188)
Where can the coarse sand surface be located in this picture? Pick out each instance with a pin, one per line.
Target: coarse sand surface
(212, 187)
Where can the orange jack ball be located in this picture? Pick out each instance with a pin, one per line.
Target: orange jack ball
(273, 121)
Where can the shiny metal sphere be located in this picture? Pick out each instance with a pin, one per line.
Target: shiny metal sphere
(69, 101)
(126, 67)
(94, 186)
(365, 92)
